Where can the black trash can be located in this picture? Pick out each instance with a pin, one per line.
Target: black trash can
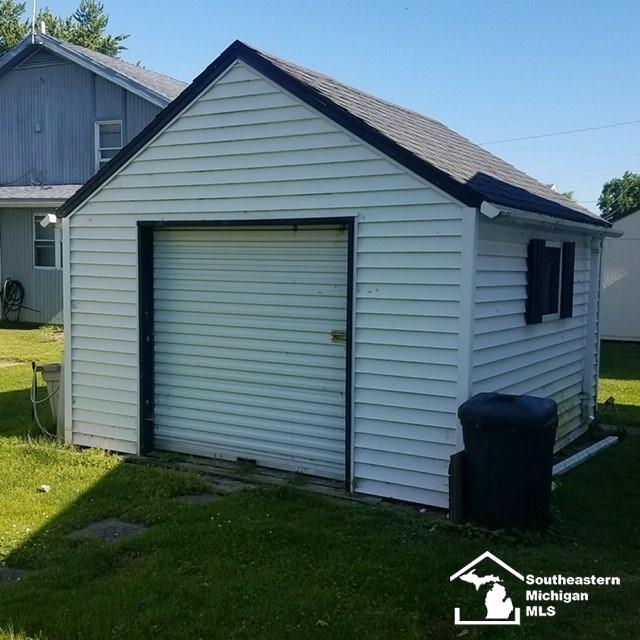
(508, 459)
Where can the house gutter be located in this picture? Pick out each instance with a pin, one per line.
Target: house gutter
(31, 203)
(520, 216)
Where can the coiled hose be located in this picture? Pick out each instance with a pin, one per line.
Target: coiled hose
(12, 299)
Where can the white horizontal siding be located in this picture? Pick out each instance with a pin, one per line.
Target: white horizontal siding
(247, 150)
(620, 276)
(509, 356)
(405, 370)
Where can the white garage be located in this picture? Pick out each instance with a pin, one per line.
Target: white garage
(250, 334)
(286, 270)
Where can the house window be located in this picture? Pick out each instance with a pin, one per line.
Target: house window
(550, 277)
(552, 270)
(47, 245)
(108, 141)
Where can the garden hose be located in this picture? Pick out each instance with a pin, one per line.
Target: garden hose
(35, 402)
(12, 300)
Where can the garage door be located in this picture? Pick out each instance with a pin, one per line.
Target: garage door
(249, 330)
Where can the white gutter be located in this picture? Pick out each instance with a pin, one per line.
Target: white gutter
(32, 204)
(520, 216)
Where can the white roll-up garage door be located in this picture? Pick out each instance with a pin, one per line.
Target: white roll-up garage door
(249, 357)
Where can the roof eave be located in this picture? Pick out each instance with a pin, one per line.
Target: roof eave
(597, 227)
(12, 57)
(20, 203)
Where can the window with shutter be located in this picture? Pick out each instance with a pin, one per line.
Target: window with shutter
(550, 276)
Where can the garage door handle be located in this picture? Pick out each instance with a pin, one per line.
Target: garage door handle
(338, 336)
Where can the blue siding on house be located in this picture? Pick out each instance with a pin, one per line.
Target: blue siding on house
(43, 287)
(48, 110)
(139, 114)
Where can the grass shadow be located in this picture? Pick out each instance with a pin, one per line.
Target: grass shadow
(283, 563)
(619, 360)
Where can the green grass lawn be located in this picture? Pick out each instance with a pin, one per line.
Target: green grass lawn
(282, 563)
(620, 378)
(17, 349)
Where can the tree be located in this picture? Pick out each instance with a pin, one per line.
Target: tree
(85, 27)
(13, 26)
(570, 195)
(620, 196)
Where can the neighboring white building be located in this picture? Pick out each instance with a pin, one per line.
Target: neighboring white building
(621, 282)
(285, 269)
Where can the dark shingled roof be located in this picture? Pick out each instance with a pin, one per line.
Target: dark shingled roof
(467, 163)
(425, 146)
(164, 85)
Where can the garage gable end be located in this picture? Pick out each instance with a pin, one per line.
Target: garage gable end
(246, 149)
(240, 114)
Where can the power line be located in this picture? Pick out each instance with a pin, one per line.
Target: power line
(562, 133)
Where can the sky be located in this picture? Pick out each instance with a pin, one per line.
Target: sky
(490, 70)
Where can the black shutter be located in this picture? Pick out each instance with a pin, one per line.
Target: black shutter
(566, 285)
(535, 281)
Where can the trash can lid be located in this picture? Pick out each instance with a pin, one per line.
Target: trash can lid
(505, 411)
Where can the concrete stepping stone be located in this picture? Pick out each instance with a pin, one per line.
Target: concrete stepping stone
(11, 574)
(198, 498)
(109, 530)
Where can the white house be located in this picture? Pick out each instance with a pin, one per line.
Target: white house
(621, 281)
(285, 269)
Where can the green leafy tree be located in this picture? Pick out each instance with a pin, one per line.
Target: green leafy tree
(13, 26)
(620, 196)
(571, 195)
(86, 27)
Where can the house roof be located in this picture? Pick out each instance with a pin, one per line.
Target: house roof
(614, 217)
(37, 195)
(154, 87)
(443, 157)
